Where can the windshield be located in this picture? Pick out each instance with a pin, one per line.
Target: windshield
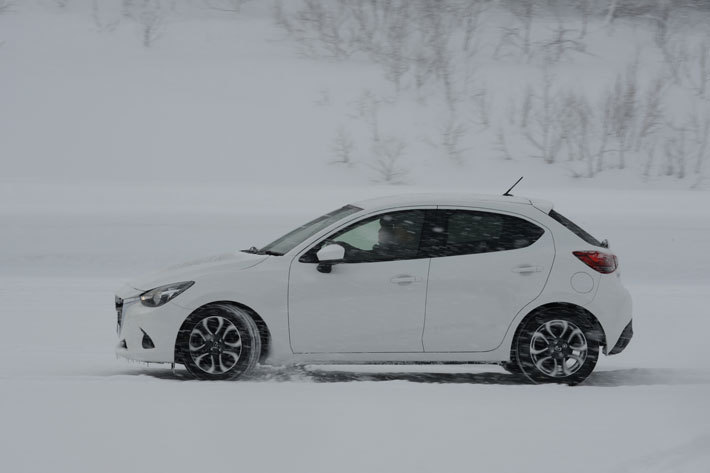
(292, 239)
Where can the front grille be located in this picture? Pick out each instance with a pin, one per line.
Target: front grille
(119, 313)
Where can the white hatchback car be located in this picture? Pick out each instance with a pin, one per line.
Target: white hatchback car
(405, 279)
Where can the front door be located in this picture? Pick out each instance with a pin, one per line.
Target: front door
(372, 302)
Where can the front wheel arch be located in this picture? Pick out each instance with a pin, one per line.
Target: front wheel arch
(264, 332)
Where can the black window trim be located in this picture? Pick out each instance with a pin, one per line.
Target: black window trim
(440, 215)
(308, 254)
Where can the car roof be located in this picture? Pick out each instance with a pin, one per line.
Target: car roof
(448, 198)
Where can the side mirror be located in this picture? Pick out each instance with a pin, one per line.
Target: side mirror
(328, 256)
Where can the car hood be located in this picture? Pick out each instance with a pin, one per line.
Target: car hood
(192, 270)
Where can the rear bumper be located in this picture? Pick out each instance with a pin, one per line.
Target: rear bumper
(624, 339)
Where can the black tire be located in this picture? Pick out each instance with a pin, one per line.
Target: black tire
(558, 347)
(512, 367)
(218, 342)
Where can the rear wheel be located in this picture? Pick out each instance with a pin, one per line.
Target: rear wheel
(557, 348)
(219, 341)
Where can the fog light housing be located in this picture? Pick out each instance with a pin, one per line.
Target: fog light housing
(147, 342)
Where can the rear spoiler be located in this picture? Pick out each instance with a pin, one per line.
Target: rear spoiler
(542, 205)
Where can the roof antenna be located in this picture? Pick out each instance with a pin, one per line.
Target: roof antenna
(507, 193)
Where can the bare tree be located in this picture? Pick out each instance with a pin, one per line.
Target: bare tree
(342, 147)
(387, 165)
(585, 10)
(471, 14)
(652, 111)
(451, 135)
(623, 110)
(543, 133)
(561, 43)
(502, 145)
(368, 108)
(697, 70)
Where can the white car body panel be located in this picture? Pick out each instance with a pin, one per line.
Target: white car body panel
(358, 308)
(304, 327)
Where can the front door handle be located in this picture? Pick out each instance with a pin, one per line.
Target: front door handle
(527, 269)
(404, 279)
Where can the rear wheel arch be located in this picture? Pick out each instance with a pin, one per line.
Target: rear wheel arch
(264, 333)
(556, 308)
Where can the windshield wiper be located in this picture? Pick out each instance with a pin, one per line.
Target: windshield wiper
(256, 251)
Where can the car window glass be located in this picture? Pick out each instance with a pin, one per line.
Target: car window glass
(386, 237)
(471, 232)
(292, 239)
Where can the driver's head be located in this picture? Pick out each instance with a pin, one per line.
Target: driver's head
(394, 231)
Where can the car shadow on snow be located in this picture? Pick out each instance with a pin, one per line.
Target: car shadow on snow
(603, 378)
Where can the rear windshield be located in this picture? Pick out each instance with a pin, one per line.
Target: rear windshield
(574, 228)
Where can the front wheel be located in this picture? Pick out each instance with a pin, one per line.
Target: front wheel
(557, 348)
(219, 341)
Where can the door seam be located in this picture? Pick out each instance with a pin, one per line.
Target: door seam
(426, 298)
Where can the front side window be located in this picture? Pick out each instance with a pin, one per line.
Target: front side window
(385, 237)
(469, 232)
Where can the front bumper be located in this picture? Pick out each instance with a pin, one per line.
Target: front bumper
(148, 334)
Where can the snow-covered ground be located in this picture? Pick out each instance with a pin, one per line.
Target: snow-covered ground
(69, 405)
(117, 159)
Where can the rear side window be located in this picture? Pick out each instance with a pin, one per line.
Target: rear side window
(464, 232)
(574, 228)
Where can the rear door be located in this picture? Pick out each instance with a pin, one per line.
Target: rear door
(486, 267)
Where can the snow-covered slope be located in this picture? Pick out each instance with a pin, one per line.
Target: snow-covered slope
(117, 159)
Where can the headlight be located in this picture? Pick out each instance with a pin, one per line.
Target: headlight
(161, 295)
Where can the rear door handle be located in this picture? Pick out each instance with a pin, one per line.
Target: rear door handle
(404, 279)
(527, 269)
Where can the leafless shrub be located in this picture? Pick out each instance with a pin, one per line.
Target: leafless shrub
(451, 135)
(387, 164)
(676, 151)
(699, 126)
(584, 7)
(502, 145)
(150, 15)
(342, 147)
(368, 109)
(675, 55)
(318, 27)
(575, 121)
(471, 14)
(697, 69)
(652, 111)
(481, 106)
(561, 43)
(621, 111)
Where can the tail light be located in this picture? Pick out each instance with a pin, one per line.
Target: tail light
(605, 263)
